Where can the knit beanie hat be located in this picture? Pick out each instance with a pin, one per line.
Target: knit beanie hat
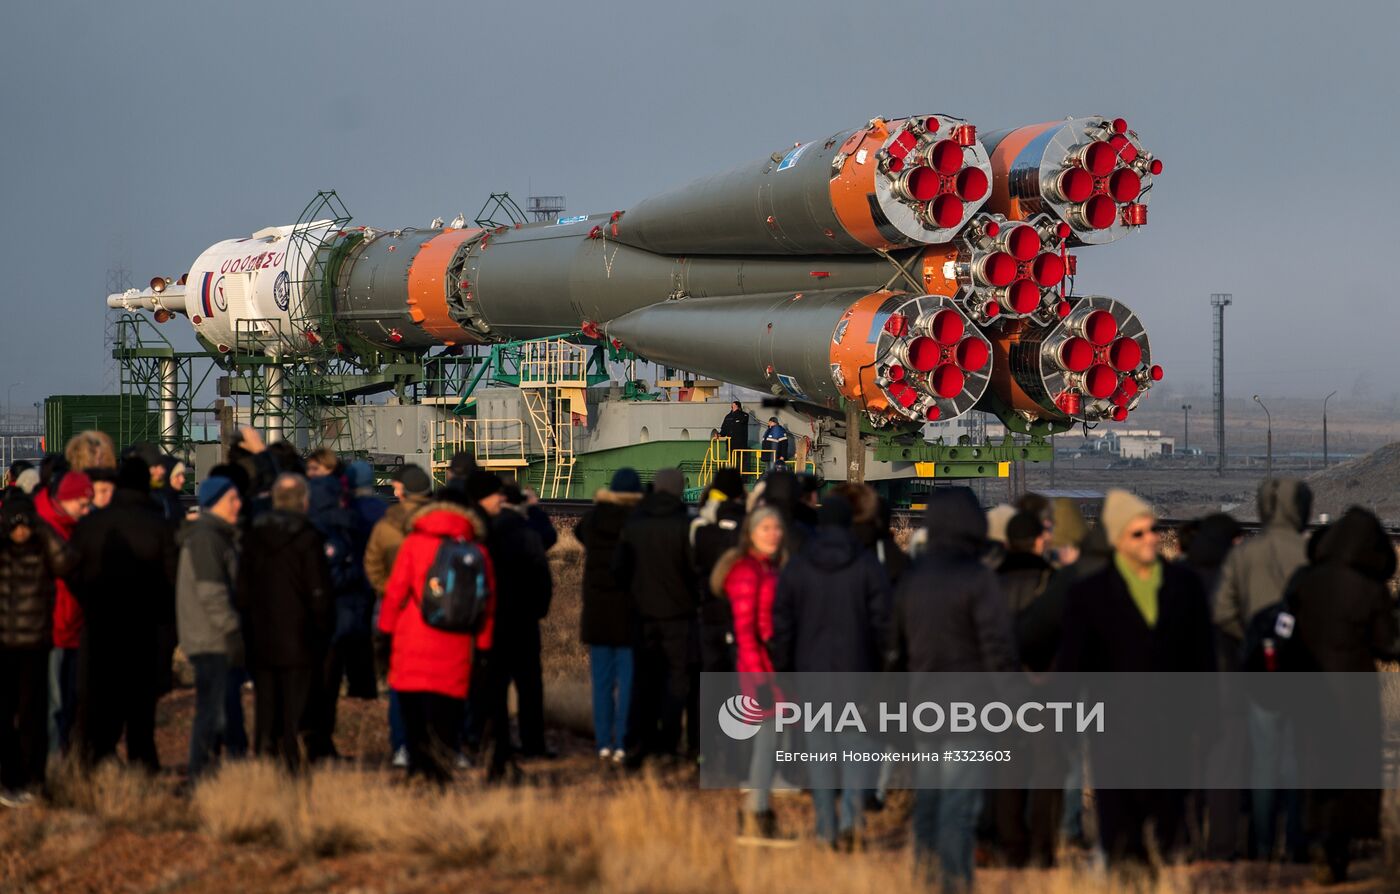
(28, 480)
(482, 484)
(668, 481)
(17, 510)
(626, 481)
(359, 475)
(414, 479)
(1120, 508)
(212, 490)
(1070, 529)
(74, 486)
(998, 517)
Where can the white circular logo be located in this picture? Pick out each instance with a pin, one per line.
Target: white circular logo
(282, 290)
(740, 717)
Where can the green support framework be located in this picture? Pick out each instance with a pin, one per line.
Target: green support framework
(965, 459)
(594, 471)
(157, 377)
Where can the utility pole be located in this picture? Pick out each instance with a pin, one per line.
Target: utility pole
(1219, 301)
(855, 449)
(1186, 424)
(9, 402)
(1325, 456)
(1270, 423)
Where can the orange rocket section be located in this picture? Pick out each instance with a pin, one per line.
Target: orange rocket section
(1002, 158)
(427, 289)
(852, 188)
(854, 353)
(932, 270)
(1004, 383)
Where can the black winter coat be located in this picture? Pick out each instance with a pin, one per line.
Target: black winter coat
(949, 612)
(1345, 622)
(832, 608)
(167, 501)
(712, 534)
(284, 592)
(1105, 631)
(878, 539)
(1038, 628)
(735, 427)
(125, 578)
(28, 587)
(1024, 578)
(542, 526)
(606, 619)
(1345, 618)
(654, 560)
(524, 585)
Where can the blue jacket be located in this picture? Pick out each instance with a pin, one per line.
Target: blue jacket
(775, 438)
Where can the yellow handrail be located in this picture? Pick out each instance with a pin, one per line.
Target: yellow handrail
(754, 463)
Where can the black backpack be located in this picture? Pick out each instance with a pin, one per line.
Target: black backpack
(1268, 640)
(455, 591)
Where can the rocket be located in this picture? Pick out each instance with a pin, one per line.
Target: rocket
(912, 266)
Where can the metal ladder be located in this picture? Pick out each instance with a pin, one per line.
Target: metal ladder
(549, 371)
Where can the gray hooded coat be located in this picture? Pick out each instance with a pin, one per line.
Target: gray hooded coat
(1257, 570)
(204, 588)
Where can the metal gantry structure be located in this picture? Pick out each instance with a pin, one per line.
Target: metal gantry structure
(118, 281)
(545, 208)
(153, 375)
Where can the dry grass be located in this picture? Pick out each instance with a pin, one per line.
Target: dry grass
(634, 836)
(119, 797)
(639, 837)
(337, 811)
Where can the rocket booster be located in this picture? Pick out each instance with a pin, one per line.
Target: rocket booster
(909, 265)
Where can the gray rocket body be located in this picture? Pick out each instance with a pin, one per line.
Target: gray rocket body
(901, 265)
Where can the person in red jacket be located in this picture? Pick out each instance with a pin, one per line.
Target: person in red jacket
(747, 576)
(61, 508)
(430, 669)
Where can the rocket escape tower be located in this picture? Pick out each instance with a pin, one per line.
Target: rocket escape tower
(894, 274)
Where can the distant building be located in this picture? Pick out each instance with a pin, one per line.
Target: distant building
(1139, 444)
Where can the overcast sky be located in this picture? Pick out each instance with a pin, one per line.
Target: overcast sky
(139, 133)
